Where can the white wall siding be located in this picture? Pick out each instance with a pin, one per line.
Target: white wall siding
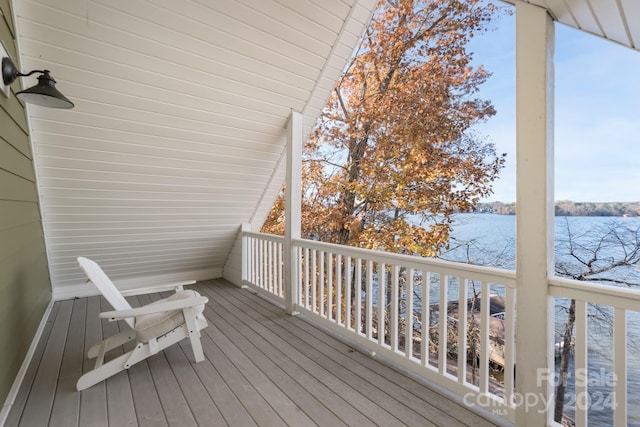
(177, 137)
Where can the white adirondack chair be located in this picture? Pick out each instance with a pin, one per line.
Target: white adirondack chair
(155, 326)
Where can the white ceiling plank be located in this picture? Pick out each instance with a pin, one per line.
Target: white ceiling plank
(631, 15)
(610, 19)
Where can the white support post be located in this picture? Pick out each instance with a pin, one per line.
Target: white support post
(246, 256)
(293, 207)
(535, 213)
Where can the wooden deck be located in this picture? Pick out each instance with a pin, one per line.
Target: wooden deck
(263, 368)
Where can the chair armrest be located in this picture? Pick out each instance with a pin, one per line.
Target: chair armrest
(176, 286)
(154, 308)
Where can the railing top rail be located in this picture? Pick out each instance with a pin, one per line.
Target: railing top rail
(264, 236)
(596, 293)
(504, 277)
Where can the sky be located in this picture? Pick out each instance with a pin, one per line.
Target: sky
(597, 125)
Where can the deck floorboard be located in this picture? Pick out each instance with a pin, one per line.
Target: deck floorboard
(262, 368)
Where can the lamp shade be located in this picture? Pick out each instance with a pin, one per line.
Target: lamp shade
(45, 93)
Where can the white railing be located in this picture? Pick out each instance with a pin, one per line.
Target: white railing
(349, 290)
(263, 268)
(598, 303)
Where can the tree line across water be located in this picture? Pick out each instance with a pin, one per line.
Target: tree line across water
(570, 208)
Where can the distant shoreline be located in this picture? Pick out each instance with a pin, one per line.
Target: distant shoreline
(570, 208)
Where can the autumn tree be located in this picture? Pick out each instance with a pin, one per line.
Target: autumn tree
(393, 155)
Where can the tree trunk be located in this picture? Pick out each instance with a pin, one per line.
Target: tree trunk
(565, 356)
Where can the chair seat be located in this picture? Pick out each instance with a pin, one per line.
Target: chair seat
(154, 325)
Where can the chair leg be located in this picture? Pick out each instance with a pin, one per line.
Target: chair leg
(194, 334)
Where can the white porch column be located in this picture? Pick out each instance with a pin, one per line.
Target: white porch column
(293, 206)
(246, 256)
(535, 212)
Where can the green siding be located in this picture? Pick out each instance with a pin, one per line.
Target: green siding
(25, 288)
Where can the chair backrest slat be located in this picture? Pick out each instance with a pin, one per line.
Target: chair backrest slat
(105, 285)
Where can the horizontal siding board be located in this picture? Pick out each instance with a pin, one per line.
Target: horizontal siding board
(73, 135)
(200, 153)
(7, 16)
(239, 46)
(337, 8)
(107, 180)
(218, 197)
(15, 162)
(137, 233)
(67, 258)
(65, 266)
(305, 12)
(127, 124)
(140, 224)
(21, 236)
(16, 214)
(119, 269)
(274, 12)
(150, 176)
(65, 157)
(13, 187)
(127, 65)
(245, 138)
(361, 16)
(188, 115)
(135, 213)
(115, 261)
(122, 239)
(152, 217)
(11, 132)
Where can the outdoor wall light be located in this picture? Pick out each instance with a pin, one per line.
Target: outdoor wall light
(44, 93)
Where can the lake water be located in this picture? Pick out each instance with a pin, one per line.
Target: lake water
(489, 239)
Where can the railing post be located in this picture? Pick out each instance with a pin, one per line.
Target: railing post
(534, 215)
(246, 256)
(293, 206)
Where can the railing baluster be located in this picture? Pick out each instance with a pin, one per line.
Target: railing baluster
(270, 257)
(314, 281)
(369, 300)
(339, 289)
(330, 286)
(394, 308)
(265, 266)
(462, 330)
(485, 310)
(321, 283)
(382, 289)
(442, 325)
(347, 302)
(509, 346)
(281, 270)
(620, 367)
(580, 348)
(408, 317)
(306, 278)
(424, 315)
(358, 291)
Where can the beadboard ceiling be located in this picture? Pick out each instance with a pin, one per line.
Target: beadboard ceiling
(616, 20)
(177, 137)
